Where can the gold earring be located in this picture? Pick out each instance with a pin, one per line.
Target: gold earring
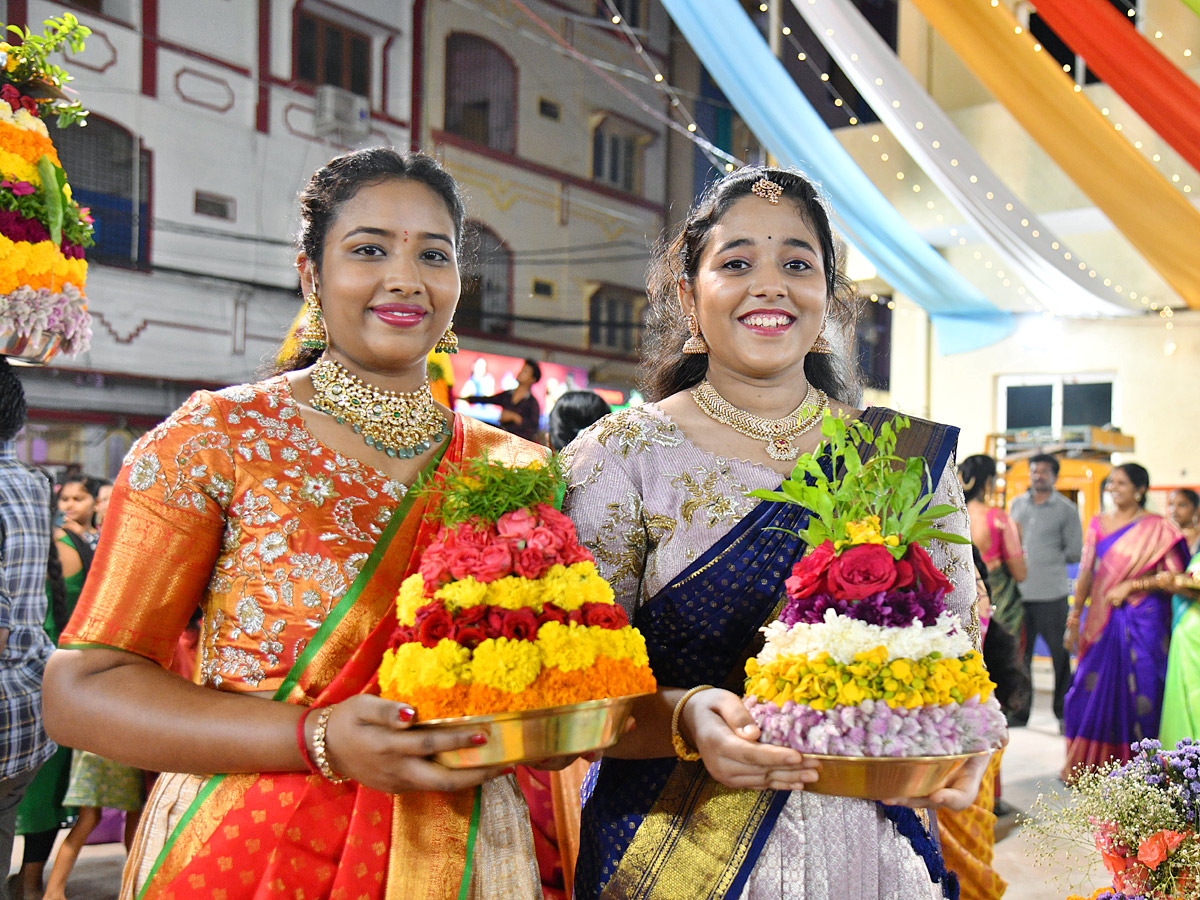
(821, 345)
(312, 335)
(694, 345)
(448, 342)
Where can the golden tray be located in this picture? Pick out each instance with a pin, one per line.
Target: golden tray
(885, 777)
(530, 735)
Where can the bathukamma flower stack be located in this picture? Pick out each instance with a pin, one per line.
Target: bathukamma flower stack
(507, 611)
(865, 659)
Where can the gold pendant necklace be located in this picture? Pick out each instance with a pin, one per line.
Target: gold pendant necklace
(778, 433)
(398, 424)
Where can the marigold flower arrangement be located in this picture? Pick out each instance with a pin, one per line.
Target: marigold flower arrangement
(507, 611)
(865, 659)
(43, 231)
(1142, 816)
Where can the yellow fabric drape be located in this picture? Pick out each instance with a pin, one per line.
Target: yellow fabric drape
(1152, 215)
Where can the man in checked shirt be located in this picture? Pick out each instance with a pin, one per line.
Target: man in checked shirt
(24, 646)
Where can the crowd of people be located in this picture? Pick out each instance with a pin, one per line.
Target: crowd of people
(283, 519)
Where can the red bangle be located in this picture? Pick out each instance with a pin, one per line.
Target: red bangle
(302, 741)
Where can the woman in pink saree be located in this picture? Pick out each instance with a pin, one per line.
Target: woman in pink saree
(1116, 696)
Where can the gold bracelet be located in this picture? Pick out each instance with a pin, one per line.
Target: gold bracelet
(682, 750)
(320, 757)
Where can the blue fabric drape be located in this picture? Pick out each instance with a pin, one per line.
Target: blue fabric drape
(771, 103)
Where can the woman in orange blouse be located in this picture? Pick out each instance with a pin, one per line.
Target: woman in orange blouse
(284, 511)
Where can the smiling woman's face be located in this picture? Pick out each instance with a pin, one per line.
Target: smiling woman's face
(760, 290)
(389, 278)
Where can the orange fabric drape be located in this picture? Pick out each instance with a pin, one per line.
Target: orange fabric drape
(1150, 83)
(1152, 215)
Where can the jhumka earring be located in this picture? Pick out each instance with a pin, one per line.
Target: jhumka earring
(821, 345)
(695, 344)
(312, 335)
(448, 342)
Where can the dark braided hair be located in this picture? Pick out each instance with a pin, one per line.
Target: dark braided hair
(665, 369)
(340, 180)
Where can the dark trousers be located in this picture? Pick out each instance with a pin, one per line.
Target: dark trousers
(11, 792)
(1049, 619)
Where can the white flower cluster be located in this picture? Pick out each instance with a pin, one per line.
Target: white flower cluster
(842, 637)
(23, 119)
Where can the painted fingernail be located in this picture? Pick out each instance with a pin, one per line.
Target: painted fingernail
(406, 714)
(478, 739)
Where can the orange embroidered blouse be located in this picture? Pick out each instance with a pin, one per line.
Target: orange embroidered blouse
(232, 505)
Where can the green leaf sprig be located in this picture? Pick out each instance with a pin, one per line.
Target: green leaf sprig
(883, 485)
(485, 490)
(27, 65)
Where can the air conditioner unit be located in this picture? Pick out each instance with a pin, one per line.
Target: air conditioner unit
(341, 114)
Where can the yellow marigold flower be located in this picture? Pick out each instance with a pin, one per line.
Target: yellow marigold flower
(892, 540)
(506, 665)
(565, 646)
(11, 63)
(411, 666)
(462, 594)
(409, 599)
(619, 643)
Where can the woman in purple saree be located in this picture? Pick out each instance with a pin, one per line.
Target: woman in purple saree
(1116, 696)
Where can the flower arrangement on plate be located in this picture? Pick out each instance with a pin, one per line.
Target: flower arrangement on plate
(1141, 816)
(508, 614)
(43, 231)
(865, 661)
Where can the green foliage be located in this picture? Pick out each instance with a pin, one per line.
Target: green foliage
(485, 490)
(33, 206)
(28, 66)
(883, 485)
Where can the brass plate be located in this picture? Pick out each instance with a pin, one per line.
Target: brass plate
(885, 777)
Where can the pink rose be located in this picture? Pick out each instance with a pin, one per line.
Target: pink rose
(434, 570)
(531, 563)
(463, 561)
(517, 524)
(576, 553)
(542, 538)
(861, 571)
(468, 535)
(494, 562)
(557, 521)
(808, 575)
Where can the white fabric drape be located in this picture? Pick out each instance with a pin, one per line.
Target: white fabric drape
(1054, 277)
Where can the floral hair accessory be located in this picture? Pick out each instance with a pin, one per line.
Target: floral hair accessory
(768, 190)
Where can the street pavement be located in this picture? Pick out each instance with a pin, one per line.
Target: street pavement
(1030, 766)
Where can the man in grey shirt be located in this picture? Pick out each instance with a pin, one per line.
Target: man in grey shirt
(1052, 537)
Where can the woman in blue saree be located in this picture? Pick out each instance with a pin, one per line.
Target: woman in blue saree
(689, 804)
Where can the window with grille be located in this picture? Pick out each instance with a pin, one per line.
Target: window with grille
(329, 53)
(615, 319)
(485, 304)
(617, 152)
(109, 172)
(481, 92)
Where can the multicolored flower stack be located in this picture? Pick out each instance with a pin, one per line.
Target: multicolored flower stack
(865, 659)
(508, 612)
(43, 231)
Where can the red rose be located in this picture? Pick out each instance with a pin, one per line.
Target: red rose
(808, 575)
(434, 626)
(494, 562)
(542, 538)
(520, 625)
(925, 571)
(861, 571)
(463, 561)
(495, 621)
(905, 576)
(557, 521)
(552, 613)
(471, 615)
(604, 615)
(575, 616)
(516, 524)
(404, 634)
(470, 636)
(576, 553)
(531, 563)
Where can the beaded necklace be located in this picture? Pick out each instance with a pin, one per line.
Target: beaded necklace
(778, 433)
(401, 425)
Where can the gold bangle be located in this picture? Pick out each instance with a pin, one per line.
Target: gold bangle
(320, 757)
(682, 750)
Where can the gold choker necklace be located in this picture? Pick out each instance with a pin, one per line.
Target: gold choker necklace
(778, 433)
(400, 425)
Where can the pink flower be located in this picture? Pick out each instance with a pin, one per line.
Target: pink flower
(434, 568)
(19, 188)
(468, 535)
(463, 561)
(531, 563)
(494, 562)
(576, 553)
(1154, 849)
(517, 524)
(542, 538)
(559, 522)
